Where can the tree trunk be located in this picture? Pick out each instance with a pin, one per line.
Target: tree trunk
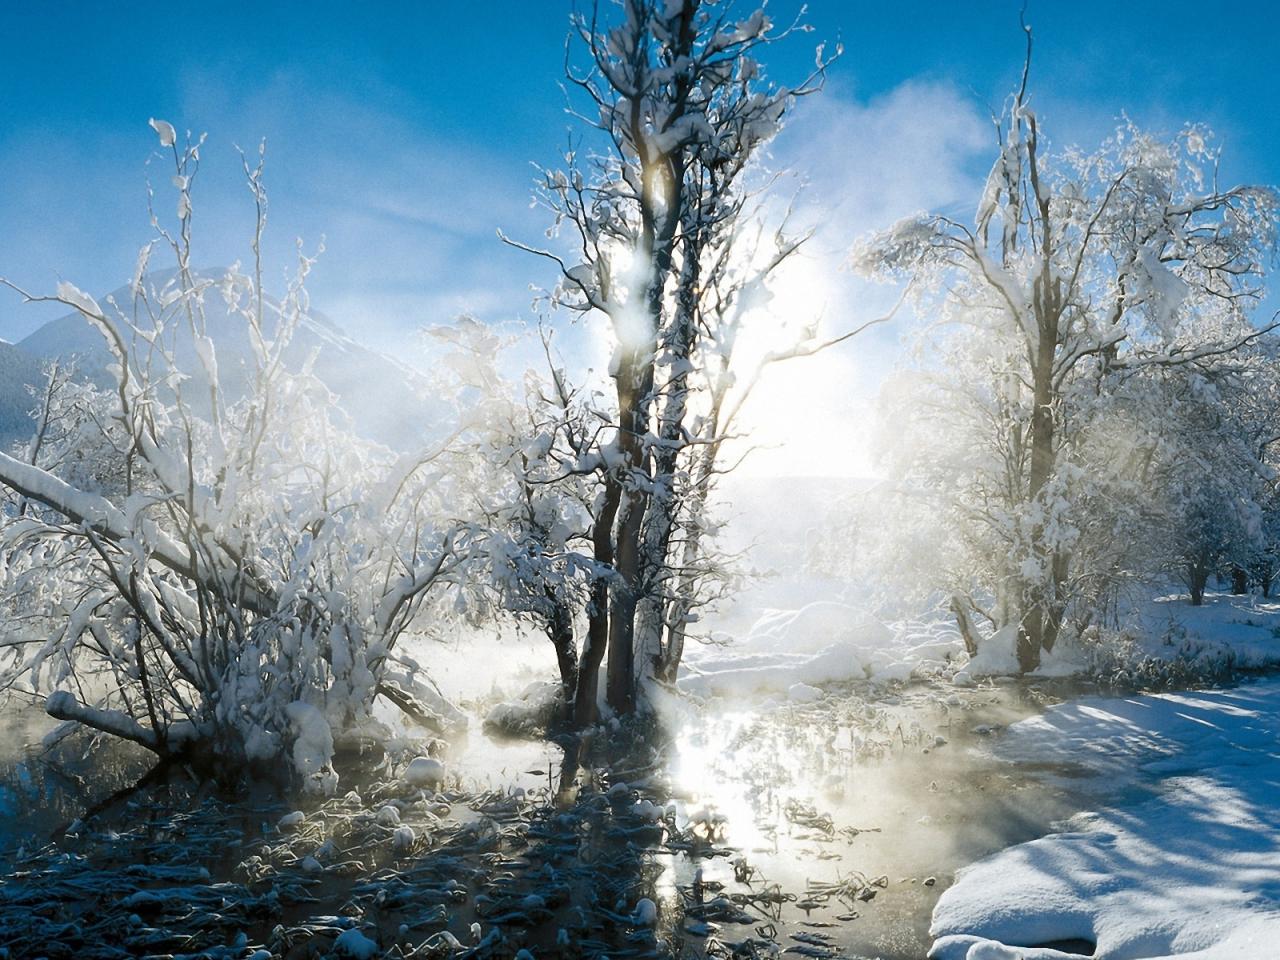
(620, 683)
(1036, 628)
(1197, 579)
(660, 210)
(1056, 607)
(967, 633)
(1028, 647)
(560, 631)
(587, 688)
(1239, 581)
(634, 382)
(653, 615)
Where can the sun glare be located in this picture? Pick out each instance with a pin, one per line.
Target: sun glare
(809, 415)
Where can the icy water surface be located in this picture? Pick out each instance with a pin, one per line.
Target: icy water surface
(861, 810)
(824, 830)
(45, 787)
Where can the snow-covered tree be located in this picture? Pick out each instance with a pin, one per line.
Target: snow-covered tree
(235, 585)
(1211, 469)
(1078, 270)
(676, 92)
(75, 436)
(533, 486)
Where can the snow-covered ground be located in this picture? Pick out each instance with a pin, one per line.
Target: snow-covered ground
(1187, 866)
(1245, 629)
(825, 641)
(793, 625)
(769, 651)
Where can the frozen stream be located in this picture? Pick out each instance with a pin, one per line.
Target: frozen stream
(828, 828)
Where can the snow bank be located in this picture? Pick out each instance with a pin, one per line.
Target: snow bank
(826, 642)
(997, 656)
(750, 674)
(816, 626)
(312, 748)
(1190, 871)
(821, 643)
(1160, 638)
(1236, 631)
(529, 714)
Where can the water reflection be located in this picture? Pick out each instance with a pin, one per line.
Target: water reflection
(49, 775)
(827, 827)
(859, 809)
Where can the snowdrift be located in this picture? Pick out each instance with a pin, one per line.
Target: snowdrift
(820, 643)
(1188, 867)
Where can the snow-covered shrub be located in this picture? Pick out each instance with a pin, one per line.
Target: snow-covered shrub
(1120, 658)
(537, 708)
(535, 497)
(233, 567)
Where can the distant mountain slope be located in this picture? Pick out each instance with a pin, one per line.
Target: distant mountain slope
(18, 370)
(384, 398)
(70, 338)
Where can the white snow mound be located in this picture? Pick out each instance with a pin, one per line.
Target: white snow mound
(1191, 871)
(821, 643)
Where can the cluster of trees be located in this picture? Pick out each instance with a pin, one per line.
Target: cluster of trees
(186, 563)
(671, 244)
(1092, 405)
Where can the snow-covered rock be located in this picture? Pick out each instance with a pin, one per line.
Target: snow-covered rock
(532, 712)
(426, 772)
(803, 693)
(354, 945)
(646, 913)
(403, 839)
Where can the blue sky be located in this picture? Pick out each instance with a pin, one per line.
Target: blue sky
(403, 133)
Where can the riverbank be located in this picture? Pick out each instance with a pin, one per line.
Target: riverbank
(832, 827)
(1178, 854)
